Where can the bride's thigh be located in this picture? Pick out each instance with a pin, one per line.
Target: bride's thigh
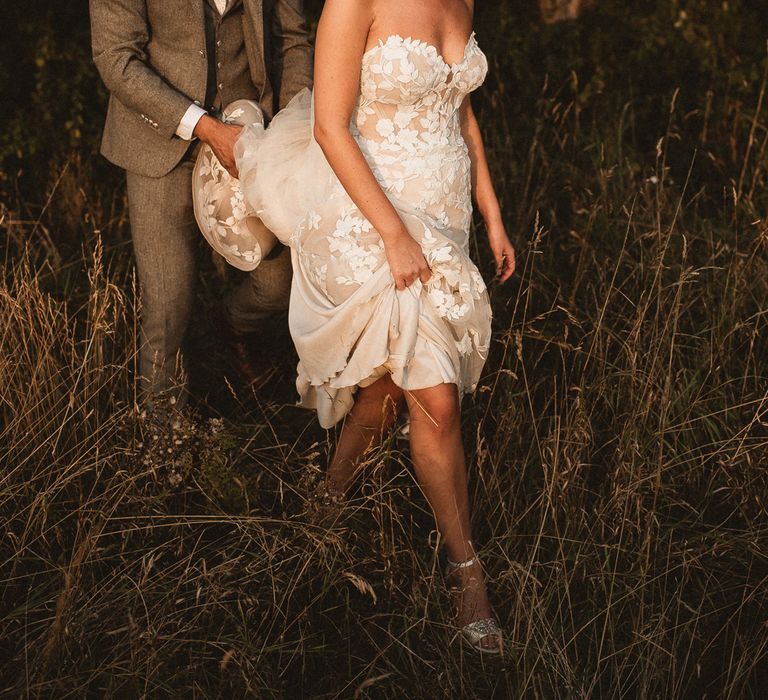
(339, 252)
(380, 400)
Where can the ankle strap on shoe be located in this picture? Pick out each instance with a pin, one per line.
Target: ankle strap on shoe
(462, 564)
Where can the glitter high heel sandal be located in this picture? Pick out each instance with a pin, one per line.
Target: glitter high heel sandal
(476, 631)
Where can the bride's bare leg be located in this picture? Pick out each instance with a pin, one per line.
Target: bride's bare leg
(438, 458)
(364, 427)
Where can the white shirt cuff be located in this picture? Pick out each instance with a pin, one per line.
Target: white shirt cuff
(186, 128)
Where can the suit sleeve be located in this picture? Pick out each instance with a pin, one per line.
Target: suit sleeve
(119, 35)
(294, 52)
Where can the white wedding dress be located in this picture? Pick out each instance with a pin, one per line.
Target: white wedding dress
(349, 323)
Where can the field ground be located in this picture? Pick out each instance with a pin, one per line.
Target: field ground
(618, 444)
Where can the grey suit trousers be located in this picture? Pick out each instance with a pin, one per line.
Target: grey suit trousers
(165, 243)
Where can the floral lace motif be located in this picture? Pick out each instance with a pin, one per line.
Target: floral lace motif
(224, 214)
(407, 123)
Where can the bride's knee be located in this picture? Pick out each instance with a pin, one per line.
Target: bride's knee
(437, 408)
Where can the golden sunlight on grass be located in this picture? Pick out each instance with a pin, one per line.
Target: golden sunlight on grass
(618, 444)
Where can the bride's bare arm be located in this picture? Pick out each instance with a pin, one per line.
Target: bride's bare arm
(341, 38)
(485, 195)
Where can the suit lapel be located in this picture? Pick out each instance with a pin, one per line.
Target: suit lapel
(253, 18)
(199, 18)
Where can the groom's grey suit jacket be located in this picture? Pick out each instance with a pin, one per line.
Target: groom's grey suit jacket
(154, 56)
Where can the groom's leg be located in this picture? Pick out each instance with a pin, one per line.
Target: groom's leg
(263, 293)
(165, 243)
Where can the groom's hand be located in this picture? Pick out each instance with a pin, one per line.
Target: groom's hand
(221, 138)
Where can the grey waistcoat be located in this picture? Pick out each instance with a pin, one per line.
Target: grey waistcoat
(229, 75)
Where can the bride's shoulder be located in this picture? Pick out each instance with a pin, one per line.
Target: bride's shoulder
(348, 10)
(348, 5)
(350, 19)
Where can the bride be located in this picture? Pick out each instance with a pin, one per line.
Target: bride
(370, 182)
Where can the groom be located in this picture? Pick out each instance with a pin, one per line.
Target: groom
(170, 67)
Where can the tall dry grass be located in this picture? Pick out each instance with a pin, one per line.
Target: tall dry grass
(618, 449)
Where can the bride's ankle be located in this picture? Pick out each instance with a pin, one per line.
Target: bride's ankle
(340, 476)
(461, 556)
